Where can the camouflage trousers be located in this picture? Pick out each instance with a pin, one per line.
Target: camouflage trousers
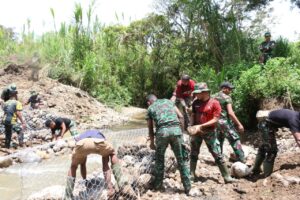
(176, 142)
(212, 144)
(268, 148)
(227, 130)
(9, 128)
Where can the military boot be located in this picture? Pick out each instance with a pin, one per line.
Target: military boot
(117, 171)
(268, 167)
(193, 166)
(225, 173)
(258, 161)
(69, 188)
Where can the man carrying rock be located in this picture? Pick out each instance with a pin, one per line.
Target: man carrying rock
(182, 96)
(268, 126)
(12, 111)
(164, 113)
(63, 125)
(228, 119)
(94, 142)
(206, 112)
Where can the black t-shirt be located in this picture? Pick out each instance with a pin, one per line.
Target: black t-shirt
(287, 118)
(59, 121)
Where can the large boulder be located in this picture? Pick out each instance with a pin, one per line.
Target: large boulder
(5, 162)
(28, 156)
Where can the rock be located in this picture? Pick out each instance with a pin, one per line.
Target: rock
(5, 162)
(50, 193)
(60, 144)
(240, 170)
(145, 181)
(195, 192)
(129, 160)
(28, 156)
(43, 154)
(293, 179)
(71, 144)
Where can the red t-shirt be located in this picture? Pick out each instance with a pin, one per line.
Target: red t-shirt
(183, 91)
(206, 111)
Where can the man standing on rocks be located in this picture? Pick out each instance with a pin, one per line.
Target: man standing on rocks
(34, 100)
(12, 111)
(227, 121)
(63, 125)
(182, 96)
(206, 112)
(267, 151)
(94, 142)
(165, 116)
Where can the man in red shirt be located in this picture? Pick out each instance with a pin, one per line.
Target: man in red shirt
(206, 113)
(182, 96)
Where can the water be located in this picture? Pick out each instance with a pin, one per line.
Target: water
(21, 180)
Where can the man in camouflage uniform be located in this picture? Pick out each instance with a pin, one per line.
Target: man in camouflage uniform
(266, 48)
(164, 113)
(228, 119)
(206, 112)
(267, 151)
(12, 111)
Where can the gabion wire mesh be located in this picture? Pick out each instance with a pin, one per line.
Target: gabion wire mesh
(47, 179)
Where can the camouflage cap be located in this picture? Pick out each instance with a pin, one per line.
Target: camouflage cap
(200, 87)
(227, 85)
(12, 87)
(267, 34)
(33, 93)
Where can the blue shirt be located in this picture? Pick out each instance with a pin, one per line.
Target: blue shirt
(90, 134)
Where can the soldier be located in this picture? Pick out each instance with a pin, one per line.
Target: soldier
(267, 151)
(182, 96)
(164, 113)
(94, 142)
(206, 112)
(227, 121)
(266, 48)
(12, 111)
(34, 100)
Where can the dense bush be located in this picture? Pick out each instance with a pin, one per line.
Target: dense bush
(278, 78)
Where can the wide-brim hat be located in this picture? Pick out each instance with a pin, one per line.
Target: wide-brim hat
(227, 85)
(200, 87)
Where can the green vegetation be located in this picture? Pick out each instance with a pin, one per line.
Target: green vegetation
(120, 65)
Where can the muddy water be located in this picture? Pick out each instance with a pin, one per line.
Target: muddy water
(19, 181)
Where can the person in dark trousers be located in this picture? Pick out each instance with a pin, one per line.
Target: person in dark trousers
(63, 125)
(267, 151)
(34, 100)
(12, 111)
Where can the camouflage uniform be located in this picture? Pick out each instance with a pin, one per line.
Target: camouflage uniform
(226, 127)
(168, 131)
(267, 150)
(266, 48)
(10, 121)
